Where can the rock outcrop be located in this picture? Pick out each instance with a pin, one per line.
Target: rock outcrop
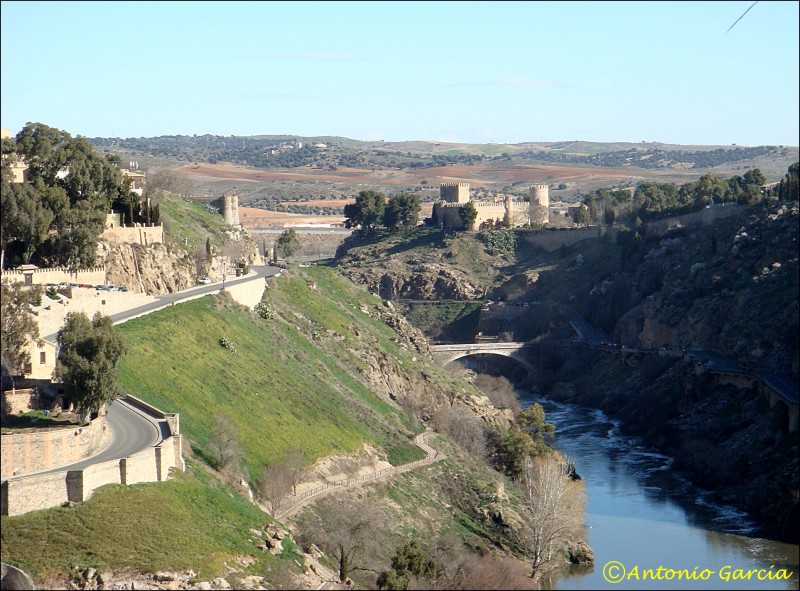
(155, 270)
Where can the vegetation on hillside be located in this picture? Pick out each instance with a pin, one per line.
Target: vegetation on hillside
(191, 522)
(293, 151)
(282, 383)
(55, 216)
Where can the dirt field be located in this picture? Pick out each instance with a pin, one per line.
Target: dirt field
(213, 179)
(486, 174)
(252, 218)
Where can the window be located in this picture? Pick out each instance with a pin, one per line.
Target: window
(42, 358)
(28, 368)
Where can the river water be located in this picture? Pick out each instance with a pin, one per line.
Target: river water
(640, 515)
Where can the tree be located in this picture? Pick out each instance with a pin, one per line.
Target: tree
(463, 427)
(409, 560)
(513, 449)
(556, 503)
(18, 326)
(468, 215)
(294, 459)
(74, 245)
(532, 421)
(89, 351)
(274, 484)
(347, 532)
(366, 212)
(287, 243)
(208, 248)
(402, 210)
(581, 216)
(225, 444)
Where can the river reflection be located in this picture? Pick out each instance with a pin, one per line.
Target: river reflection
(642, 515)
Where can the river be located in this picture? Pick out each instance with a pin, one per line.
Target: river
(641, 515)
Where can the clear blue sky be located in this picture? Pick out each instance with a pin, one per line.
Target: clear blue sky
(502, 72)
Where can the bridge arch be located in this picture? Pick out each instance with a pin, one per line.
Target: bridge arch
(515, 356)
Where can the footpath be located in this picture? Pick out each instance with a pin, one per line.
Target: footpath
(294, 504)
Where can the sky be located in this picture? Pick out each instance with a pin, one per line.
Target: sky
(476, 72)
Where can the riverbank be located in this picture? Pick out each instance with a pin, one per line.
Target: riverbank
(641, 514)
(723, 438)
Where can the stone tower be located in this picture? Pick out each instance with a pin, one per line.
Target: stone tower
(230, 209)
(540, 204)
(454, 192)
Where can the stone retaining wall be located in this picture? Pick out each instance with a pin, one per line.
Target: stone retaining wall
(34, 451)
(22, 494)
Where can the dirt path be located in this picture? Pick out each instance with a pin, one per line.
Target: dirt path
(294, 504)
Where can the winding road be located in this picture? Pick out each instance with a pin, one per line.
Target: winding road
(132, 429)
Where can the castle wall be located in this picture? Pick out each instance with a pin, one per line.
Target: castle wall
(22, 494)
(700, 218)
(55, 275)
(551, 239)
(447, 214)
(34, 451)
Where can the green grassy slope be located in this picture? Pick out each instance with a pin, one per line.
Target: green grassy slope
(295, 379)
(191, 221)
(288, 383)
(189, 522)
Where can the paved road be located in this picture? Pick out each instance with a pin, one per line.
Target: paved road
(186, 295)
(132, 431)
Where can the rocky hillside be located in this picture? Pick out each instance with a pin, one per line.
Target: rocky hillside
(321, 366)
(730, 288)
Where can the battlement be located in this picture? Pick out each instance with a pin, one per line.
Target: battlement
(454, 192)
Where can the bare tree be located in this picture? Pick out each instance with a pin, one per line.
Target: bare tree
(225, 444)
(463, 427)
(500, 391)
(556, 504)
(294, 458)
(167, 180)
(349, 532)
(274, 485)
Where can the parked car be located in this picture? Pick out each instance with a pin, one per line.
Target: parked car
(204, 280)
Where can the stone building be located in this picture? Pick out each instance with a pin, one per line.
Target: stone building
(507, 212)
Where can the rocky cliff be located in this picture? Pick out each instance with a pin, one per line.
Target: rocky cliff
(159, 268)
(729, 287)
(155, 270)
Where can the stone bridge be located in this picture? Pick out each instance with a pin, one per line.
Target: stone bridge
(444, 354)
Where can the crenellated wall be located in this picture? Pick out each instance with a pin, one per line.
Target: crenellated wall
(446, 215)
(55, 275)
